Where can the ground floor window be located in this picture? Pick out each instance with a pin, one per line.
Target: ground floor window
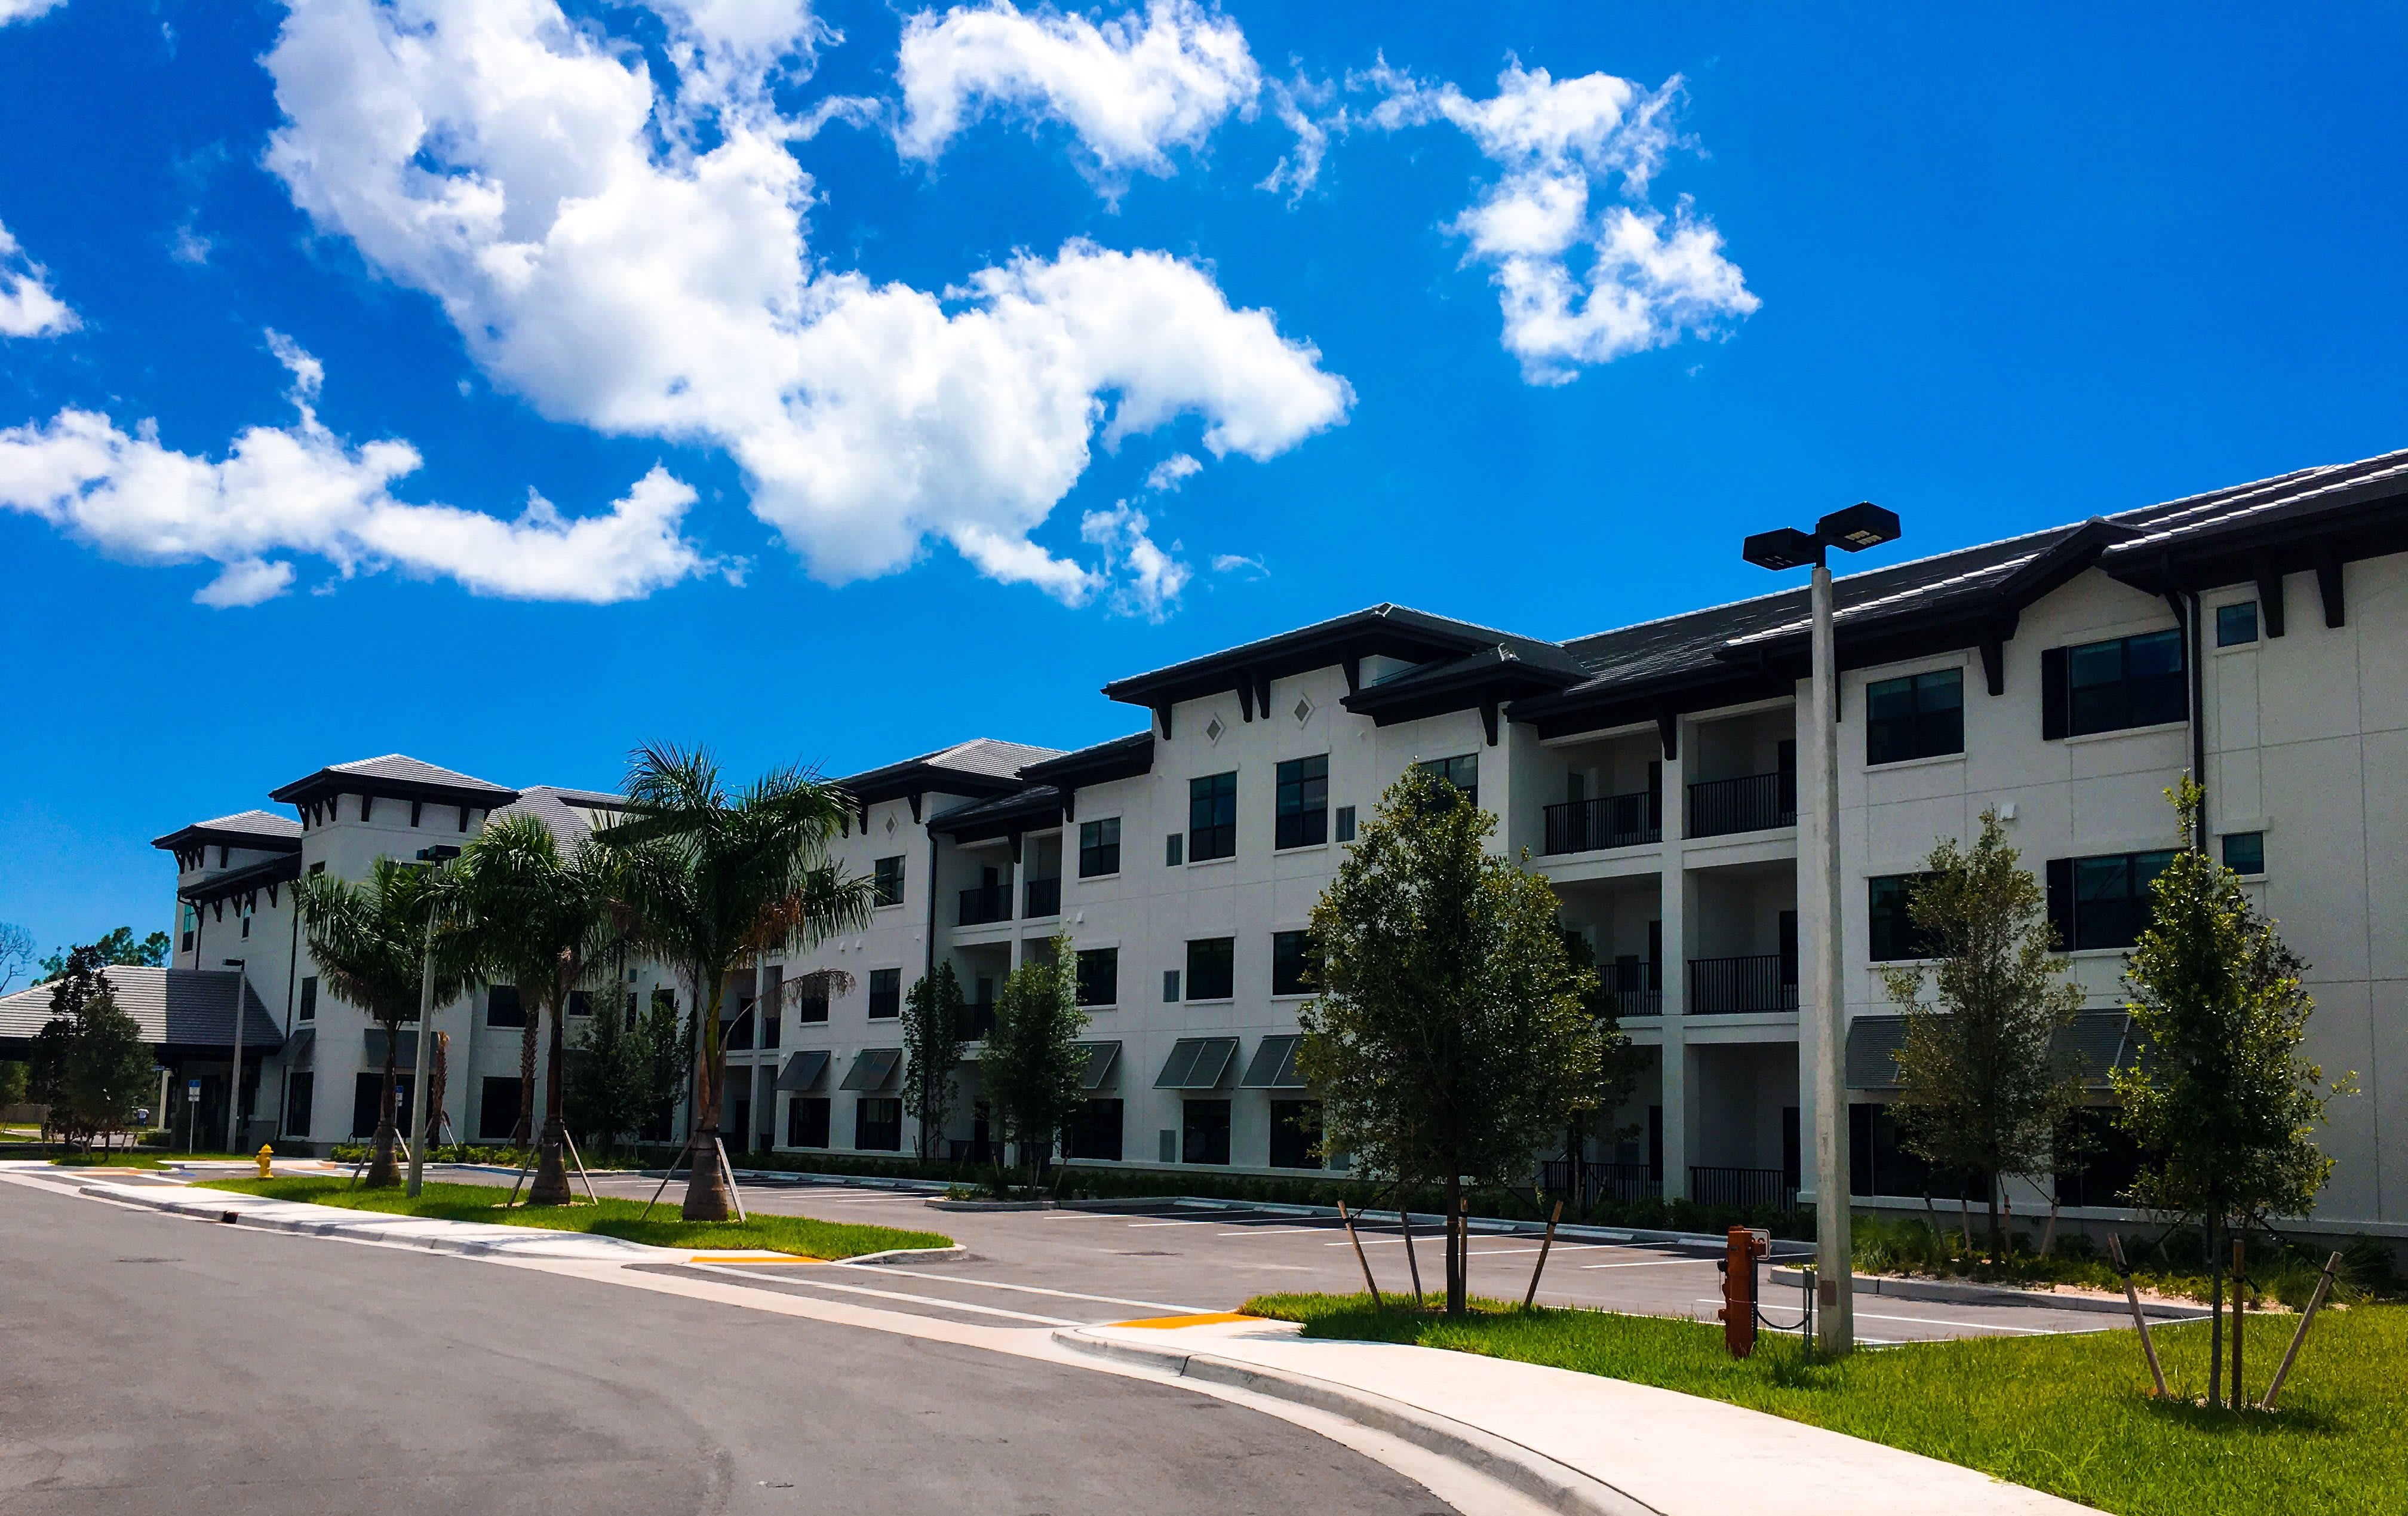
(1205, 1136)
(1295, 1133)
(365, 1105)
(297, 1091)
(2097, 1161)
(497, 1109)
(877, 1123)
(1880, 1165)
(1095, 1130)
(806, 1121)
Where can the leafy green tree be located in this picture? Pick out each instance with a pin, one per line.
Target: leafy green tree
(1979, 1090)
(1451, 1038)
(2220, 1101)
(369, 943)
(714, 879)
(931, 1046)
(90, 1066)
(615, 1083)
(116, 946)
(671, 1045)
(1029, 1072)
(12, 1081)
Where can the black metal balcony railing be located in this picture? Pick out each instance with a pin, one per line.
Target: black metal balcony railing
(1743, 1189)
(1586, 1183)
(1044, 897)
(1755, 802)
(976, 1020)
(1728, 986)
(1637, 989)
(984, 903)
(1607, 821)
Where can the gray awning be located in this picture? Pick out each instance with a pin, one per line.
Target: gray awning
(803, 1071)
(405, 1056)
(1196, 1063)
(1275, 1065)
(298, 1047)
(873, 1069)
(1101, 1060)
(2096, 1042)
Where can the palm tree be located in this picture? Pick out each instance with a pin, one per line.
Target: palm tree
(713, 880)
(370, 944)
(518, 909)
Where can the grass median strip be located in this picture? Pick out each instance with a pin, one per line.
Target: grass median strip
(797, 1236)
(2071, 1415)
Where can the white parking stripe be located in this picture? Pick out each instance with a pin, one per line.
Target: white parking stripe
(1268, 1230)
(891, 1294)
(1027, 1289)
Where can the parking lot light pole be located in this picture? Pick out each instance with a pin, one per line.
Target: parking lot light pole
(234, 1103)
(1852, 530)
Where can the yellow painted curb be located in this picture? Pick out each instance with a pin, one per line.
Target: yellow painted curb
(1207, 1319)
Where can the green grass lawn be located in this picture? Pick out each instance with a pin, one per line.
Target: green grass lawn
(613, 1218)
(2071, 1415)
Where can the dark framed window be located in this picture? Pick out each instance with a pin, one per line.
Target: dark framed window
(1213, 816)
(299, 1086)
(1099, 848)
(886, 881)
(498, 1108)
(2236, 625)
(1920, 715)
(2100, 1160)
(1462, 773)
(877, 1123)
(309, 1011)
(2104, 901)
(1881, 1165)
(885, 994)
(2244, 852)
(811, 1003)
(2114, 685)
(1894, 936)
(1169, 985)
(1292, 963)
(1302, 796)
(1095, 1130)
(1345, 826)
(502, 1007)
(1204, 1131)
(1295, 1133)
(1212, 968)
(1173, 849)
(580, 1002)
(1099, 976)
(368, 1089)
(736, 1032)
(806, 1121)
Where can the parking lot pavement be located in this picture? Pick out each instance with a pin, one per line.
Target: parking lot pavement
(1062, 1266)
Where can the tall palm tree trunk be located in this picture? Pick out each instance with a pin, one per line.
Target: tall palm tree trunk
(705, 1186)
(1455, 1259)
(525, 1131)
(552, 1167)
(383, 1172)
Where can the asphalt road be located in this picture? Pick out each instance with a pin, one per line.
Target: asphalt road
(160, 1365)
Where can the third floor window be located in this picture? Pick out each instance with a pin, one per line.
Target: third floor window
(1463, 773)
(1292, 963)
(2111, 685)
(1212, 968)
(886, 881)
(1213, 816)
(1099, 848)
(1303, 802)
(1921, 716)
(2102, 902)
(1099, 976)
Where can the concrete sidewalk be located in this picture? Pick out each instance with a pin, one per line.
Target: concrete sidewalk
(1572, 1441)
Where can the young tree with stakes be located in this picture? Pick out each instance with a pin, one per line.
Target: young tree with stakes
(2220, 1102)
(933, 1040)
(1451, 1038)
(1029, 1072)
(1979, 1090)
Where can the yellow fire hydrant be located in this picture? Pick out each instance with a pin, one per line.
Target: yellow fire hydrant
(265, 1152)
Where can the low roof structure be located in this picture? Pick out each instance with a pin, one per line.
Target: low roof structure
(183, 1013)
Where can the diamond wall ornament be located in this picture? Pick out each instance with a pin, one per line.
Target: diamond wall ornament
(1213, 731)
(889, 825)
(1303, 709)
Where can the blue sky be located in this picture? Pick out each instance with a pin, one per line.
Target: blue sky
(849, 346)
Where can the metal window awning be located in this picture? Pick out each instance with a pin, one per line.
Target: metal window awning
(804, 1071)
(1196, 1063)
(1275, 1065)
(873, 1069)
(2095, 1043)
(299, 1047)
(1100, 1062)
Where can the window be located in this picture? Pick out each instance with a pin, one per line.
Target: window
(1295, 1133)
(1204, 1136)
(298, 1088)
(1894, 935)
(1172, 856)
(1292, 963)
(811, 1002)
(580, 1002)
(877, 1123)
(1212, 968)
(1099, 976)
(2236, 625)
(192, 919)
(806, 1121)
(1169, 985)
(2244, 852)
(502, 1007)
(1303, 802)
(1463, 773)
(498, 1108)
(2113, 686)
(1095, 1130)
(885, 994)
(2102, 902)
(1345, 830)
(1213, 817)
(309, 1011)
(886, 881)
(1099, 848)
(1921, 716)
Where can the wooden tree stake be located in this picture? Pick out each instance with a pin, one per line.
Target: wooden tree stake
(1368, 1283)
(2324, 1282)
(1405, 1225)
(2240, 1317)
(1541, 1266)
(2132, 1298)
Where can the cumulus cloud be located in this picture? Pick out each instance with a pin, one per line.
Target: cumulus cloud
(503, 160)
(1144, 579)
(301, 489)
(1128, 88)
(1172, 472)
(27, 306)
(22, 10)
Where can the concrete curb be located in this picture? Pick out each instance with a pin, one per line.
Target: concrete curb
(1555, 1485)
(430, 1240)
(943, 1204)
(910, 1255)
(1953, 1292)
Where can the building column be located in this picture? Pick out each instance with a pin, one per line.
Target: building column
(1673, 973)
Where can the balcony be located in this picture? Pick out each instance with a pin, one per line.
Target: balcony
(1044, 897)
(985, 904)
(1584, 1183)
(977, 1019)
(1607, 821)
(1733, 986)
(1743, 1189)
(1637, 987)
(1755, 802)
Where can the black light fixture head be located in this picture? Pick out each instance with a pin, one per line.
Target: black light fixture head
(1859, 526)
(439, 853)
(1785, 547)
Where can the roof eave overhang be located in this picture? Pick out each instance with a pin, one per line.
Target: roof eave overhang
(1130, 758)
(2245, 550)
(1492, 683)
(188, 837)
(1390, 633)
(326, 783)
(1635, 701)
(243, 881)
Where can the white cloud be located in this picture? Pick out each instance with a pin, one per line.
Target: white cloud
(301, 489)
(1238, 563)
(1293, 102)
(1172, 471)
(23, 11)
(503, 160)
(1145, 579)
(27, 306)
(1127, 89)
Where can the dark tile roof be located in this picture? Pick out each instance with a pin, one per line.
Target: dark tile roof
(1121, 757)
(393, 774)
(561, 810)
(989, 765)
(990, 815)
(231, 882)
(184, 1009)
(1392, 630)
